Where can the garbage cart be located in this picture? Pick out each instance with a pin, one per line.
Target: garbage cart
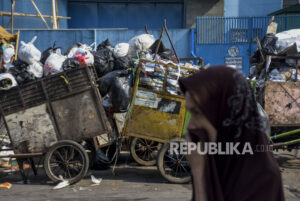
(157, 115)
(50, 116)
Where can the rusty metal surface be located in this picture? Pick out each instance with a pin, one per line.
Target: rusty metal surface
(31, 130)
(282, 103)
(78, 117)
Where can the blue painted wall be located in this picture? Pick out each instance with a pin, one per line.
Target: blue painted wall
(126, 14)
(25, 6)
(241, 8)
(65, 38)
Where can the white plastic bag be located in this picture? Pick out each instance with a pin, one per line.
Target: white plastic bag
(54, 63)
(142, 42)
(85, 57)
(10, 77)
(85, 47)
(89, 58)
(29, 53)
(287, 39)
(8, 53)
(36, 69)
(121, 50)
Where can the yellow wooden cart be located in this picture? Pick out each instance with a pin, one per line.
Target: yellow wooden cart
(157, 115)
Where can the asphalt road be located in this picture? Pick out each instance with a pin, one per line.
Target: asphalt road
(132, 182)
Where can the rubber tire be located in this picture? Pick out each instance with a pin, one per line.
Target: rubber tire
(135, 156)
(63, 143)
(160, 164)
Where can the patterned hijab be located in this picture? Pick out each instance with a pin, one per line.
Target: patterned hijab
(226, 99)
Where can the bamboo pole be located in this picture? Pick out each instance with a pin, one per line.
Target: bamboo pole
(57, 14)
(12, 15)
(54, 20)
(3, 13)
(40, 14)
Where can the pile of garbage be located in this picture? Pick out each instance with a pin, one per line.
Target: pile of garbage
(114, 66)
(284, 45)
(153, 75)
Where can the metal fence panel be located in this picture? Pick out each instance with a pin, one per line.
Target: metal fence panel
(230, 40)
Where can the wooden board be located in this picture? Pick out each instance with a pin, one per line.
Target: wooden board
(282, 103)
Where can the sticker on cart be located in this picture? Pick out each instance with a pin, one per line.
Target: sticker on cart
(147, 102)
(146, 94)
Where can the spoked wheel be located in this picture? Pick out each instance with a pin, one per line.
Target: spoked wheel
(68, 159)
(144, 152)
(174, 167)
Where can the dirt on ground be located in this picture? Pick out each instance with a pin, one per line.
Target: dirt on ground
(131, 182)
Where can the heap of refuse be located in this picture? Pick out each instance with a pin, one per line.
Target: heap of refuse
(278, 59)
(114, 66)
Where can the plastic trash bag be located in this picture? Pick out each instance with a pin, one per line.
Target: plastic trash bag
(103, 61)
(71, 49)
(8, 52)
(265, 118)
(121, 50)
(139, 44)
(121, 92)
(142, 42)
(54, 63)
(123, 63)
(105, 44)
(28, 52)
(19, 71)
(36, 69)
(106, 81)
(84, 57)
(47, 52)
(287, 39)
(275, 76)
(71, 63)
(7, 81)
(70, 53)
(268, 44)
(163, 51)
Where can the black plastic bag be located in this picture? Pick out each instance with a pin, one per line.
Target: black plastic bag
(71, 47)
(47, 52)
(103, 61)
(19, 71)
(104, 44)
(106, 81)
(123, 63)
(268, 44)
(70, 63)
(121, 92)
(163, 51)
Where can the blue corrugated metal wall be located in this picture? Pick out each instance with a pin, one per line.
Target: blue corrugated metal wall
(245, 8)
(126, 14)
(25, 6)
(65, 38)
(228, 40)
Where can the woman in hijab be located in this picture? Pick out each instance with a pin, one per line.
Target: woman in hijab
(223, 110)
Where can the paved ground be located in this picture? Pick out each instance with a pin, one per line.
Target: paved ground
(132, 182)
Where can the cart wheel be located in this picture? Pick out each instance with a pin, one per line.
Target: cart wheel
(144, 152)
(68, 159)
(173, 167)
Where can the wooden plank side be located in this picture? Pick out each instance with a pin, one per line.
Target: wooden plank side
(282, 103)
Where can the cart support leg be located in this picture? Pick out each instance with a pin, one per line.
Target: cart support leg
(22, 172)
